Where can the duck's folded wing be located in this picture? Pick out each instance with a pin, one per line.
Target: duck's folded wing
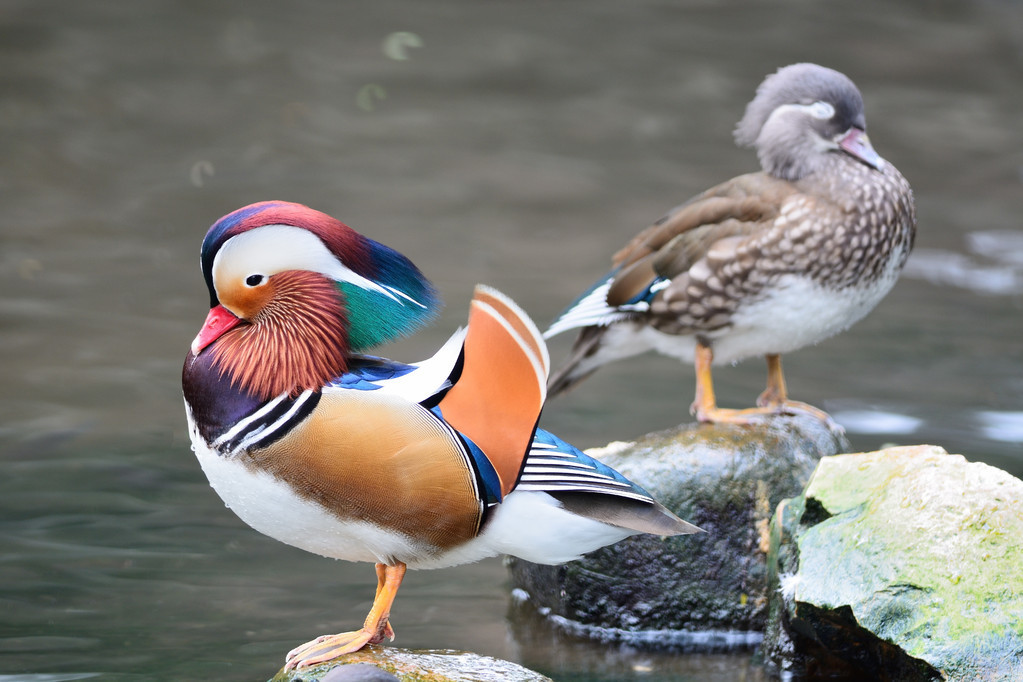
(589, 488)
(672, 245)
(751, 199)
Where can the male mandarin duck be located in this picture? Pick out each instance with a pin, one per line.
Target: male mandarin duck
(764, 263)
(357, 457)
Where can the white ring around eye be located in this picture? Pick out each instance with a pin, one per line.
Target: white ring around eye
(821, 110)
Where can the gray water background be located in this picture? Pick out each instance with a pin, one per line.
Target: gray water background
(517, 143)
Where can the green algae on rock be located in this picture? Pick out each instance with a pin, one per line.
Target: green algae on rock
(421, 666)
(903, 564)
(703, 591)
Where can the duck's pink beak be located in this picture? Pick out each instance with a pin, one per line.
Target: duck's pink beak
(856, 143)
(217, 322)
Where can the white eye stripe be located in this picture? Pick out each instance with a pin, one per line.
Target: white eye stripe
(274, 248)
(822, 111)
(270, 249)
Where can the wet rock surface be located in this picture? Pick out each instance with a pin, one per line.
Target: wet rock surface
(382, 663)
(902, 564)
(695, 592)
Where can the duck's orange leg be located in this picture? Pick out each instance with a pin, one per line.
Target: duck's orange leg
(775, 397)
(705, 404)
(374, 630)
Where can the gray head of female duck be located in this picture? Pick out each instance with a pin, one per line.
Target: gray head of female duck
(801, 116)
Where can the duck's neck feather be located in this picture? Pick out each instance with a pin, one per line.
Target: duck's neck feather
(297, 343)
(215, 405)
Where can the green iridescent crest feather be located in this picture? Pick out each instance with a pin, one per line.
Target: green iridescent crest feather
(376, 317)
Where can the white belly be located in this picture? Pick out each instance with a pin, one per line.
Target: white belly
(273, 508)
(796, 313)
(531, 525)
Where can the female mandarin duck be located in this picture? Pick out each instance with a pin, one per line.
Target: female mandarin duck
(762, 264)
(361, 458)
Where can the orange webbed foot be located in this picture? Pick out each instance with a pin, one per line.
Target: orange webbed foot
(328, 647)
(724, 415)
(794, 407)
(753, 415)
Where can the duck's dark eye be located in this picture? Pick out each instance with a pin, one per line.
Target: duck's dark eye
(254, 280)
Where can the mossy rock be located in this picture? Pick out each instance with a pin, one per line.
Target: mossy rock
(414, 666)
(903, 564)
(679, 592)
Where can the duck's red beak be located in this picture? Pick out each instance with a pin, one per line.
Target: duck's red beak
(217, 322)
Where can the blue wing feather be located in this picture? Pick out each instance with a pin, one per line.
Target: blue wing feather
(554, 465)
(366, 372)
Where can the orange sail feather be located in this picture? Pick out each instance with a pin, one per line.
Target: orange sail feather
(496, 401)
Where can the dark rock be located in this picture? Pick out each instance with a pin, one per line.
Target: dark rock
(902, 564)
(704, 591)
(391, 663)
(543, 644)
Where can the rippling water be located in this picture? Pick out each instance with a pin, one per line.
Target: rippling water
(517, 143)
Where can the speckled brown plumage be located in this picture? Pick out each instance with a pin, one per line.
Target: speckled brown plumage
(767, 262)
(810, 229)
